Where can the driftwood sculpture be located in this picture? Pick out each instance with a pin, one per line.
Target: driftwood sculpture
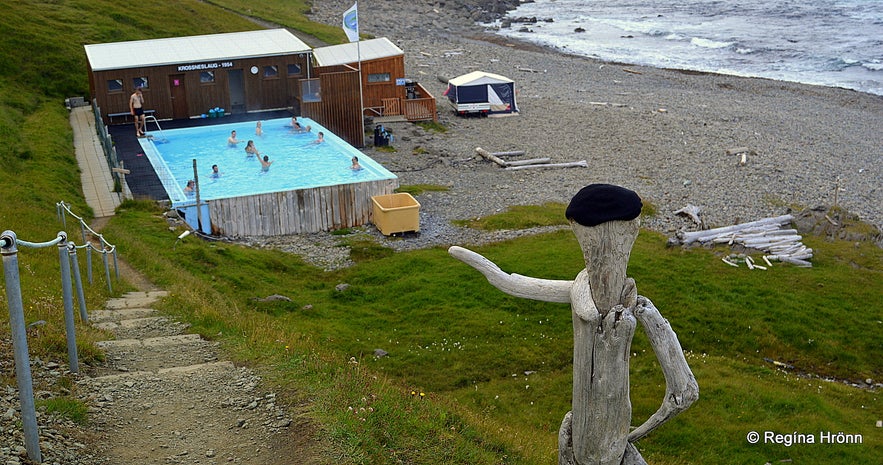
(605, 309)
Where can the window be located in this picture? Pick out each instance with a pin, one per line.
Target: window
(310, 90)
(207, 77)
(140, 82)
(294, 70)
(114, 85)
(378, 77)
(271, 71)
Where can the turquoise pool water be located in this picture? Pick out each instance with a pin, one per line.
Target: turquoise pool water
(297, 162)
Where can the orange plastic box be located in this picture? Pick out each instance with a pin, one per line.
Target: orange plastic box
(396, 213)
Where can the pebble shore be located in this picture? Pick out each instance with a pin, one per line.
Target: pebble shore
(665, 134)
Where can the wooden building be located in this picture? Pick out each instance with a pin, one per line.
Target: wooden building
(383, 93)
(184, 77)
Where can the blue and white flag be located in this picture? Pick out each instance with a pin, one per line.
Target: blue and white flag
(351, 23)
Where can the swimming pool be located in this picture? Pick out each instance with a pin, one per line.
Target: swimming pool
(309, 187)
(297, 162)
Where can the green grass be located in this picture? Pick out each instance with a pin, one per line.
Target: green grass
(449, 334)
(520, 217)
(455, 338)
(417, 189)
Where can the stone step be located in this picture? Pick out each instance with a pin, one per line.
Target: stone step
(152, 354)
(154, 326)
(98, 316)
(164, 372)
(135, 299)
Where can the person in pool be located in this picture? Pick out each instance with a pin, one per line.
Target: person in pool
(258, 130)
(320, 139)
(251, 150)
(265, 163)
(232, 140)
(215, 172)
(356, 166)
(191, 185)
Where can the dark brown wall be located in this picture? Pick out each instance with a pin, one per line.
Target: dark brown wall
(339, 109)
(260, 93)
(373, 92)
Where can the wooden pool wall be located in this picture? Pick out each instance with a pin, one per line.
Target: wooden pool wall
(297, 211)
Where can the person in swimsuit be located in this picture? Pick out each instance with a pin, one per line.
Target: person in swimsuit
(258, 130)
(232, 140)
(265, 163)
(251, 150)
(356, 166)
(136, 108)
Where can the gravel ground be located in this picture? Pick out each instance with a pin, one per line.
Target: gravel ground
(662, 133)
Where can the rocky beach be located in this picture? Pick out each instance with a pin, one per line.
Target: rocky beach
(669, 135)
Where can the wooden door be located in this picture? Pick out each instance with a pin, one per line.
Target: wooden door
(178, 93)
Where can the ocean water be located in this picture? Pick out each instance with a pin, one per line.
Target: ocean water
(835, 43)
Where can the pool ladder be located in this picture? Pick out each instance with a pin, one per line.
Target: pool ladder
(149, 118)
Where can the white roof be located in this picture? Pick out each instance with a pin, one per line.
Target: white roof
(173, 50)
(352, 52)
(477, 78)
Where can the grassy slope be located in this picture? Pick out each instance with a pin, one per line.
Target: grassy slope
(450, 335)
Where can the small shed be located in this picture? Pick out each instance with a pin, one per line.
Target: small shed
(481, 92)
(385, 90)
(182, 77)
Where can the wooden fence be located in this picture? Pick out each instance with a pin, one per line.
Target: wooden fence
(298, 211)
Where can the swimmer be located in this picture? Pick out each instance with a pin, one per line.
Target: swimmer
(320, 139)
(232, 140)
(265, 164)
(356, 166)
(258, 130)
(215, 173)
(191, 185)
(251, 150)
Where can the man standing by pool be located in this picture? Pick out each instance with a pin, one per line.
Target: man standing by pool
(136, 108)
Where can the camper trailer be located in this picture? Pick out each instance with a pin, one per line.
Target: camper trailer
(481, 93)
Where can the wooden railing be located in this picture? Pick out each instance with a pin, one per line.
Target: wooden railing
(420, 109)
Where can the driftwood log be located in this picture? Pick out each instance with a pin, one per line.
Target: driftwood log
(487, 155)
(605, 309)
(531, 161)
(573, 164)
(782, 245)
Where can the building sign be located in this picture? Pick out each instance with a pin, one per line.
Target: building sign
(203, 66)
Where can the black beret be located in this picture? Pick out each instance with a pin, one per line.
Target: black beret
(599, 203)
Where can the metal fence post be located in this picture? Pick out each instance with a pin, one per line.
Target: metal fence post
(78, 281)
(116, 264)
(67, 295)
(20, 345)
(106, 270)
(89, 264)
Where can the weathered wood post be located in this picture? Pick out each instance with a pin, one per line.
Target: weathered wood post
(605, 308)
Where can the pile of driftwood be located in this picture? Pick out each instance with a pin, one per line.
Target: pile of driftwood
(525, 164)
(767, 235)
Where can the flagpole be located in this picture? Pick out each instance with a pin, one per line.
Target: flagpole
(361, 97)
(351, 28)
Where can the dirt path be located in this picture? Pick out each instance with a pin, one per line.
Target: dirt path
(167, 397)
